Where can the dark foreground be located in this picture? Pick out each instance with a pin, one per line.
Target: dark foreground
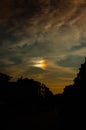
(64, 117)
(42, 121)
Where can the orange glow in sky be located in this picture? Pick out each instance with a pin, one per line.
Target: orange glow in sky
(40, 64)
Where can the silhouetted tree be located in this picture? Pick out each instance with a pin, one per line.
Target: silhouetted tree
(32, 88)
(78, 88)
(4, 77)
(74, 97)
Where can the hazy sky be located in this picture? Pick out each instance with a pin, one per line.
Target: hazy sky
(43, 39)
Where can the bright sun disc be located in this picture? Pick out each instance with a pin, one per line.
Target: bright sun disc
(40, 64)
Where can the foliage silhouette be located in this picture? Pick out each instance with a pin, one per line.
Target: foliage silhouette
(23, 91)
(4, 78)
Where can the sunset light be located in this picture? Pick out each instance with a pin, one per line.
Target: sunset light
(43, 39)
(43, 64)
(40, 64)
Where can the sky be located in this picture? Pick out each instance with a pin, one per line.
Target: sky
(43, 39)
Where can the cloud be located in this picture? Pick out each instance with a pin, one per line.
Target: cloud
(16, 60)
(49, 29)
(33, 16)
(71, 61)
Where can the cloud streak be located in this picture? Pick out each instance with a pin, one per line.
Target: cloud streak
(33, 29)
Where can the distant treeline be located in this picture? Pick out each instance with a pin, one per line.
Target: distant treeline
(23, 90)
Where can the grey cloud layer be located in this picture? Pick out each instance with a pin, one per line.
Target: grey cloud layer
(20, 17)
(50, 29)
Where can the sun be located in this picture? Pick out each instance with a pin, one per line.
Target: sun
(40, 63)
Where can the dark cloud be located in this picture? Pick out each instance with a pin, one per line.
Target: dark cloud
(48, 29)
(18, 14)
(30, 17)
(81, 45)
(71, 61)
(38, 49)
(16, 60)
(7, 36)
(34, 71)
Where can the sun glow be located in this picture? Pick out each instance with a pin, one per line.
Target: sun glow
(40, 63)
